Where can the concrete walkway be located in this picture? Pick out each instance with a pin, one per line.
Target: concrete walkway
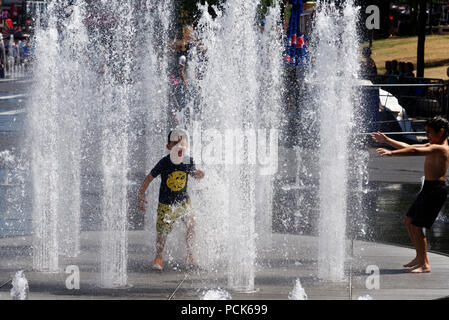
(291, 257)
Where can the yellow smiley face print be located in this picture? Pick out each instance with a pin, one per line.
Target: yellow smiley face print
(176, 181)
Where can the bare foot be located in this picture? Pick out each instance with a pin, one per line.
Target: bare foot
(412, 263)
(425, 268)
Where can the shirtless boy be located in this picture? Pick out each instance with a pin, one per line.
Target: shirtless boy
(425, 209)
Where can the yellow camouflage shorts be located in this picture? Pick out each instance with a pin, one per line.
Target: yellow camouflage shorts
(168, 214)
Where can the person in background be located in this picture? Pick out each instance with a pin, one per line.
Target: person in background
(394, 68)
(394, 75)
(27, 51)
(388, 69)
(20, 47)
(368, 66)
(402, 70)
(409, 68)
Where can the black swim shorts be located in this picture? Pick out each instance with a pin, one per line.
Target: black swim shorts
(424, 211)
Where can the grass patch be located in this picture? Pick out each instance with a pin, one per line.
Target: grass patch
(436, 58)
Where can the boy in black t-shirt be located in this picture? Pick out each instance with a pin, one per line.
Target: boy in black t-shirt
(174, 201)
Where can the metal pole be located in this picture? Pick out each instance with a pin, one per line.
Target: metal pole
(396, 133)
(350, 269)
(446, 98)
(421, 38)
(4, 284)
(177, 287)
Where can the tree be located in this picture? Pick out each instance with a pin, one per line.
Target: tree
(421, 32)
(422, 18)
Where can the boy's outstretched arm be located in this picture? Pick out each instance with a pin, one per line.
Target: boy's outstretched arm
(146, 182)
(379, 137)
(411, 151)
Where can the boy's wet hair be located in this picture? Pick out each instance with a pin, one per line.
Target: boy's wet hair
(437, 123)
(169, 135)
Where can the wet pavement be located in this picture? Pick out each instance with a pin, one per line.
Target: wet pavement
(375, 270)
(393, 184)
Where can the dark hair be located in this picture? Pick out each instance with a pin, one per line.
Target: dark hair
(366, 52)
(437, 123)
(169, 137)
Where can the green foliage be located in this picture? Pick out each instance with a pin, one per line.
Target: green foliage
(189, 10)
